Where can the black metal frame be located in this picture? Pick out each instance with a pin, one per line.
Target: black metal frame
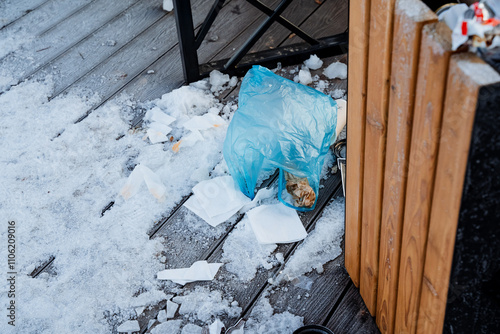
(240, 62)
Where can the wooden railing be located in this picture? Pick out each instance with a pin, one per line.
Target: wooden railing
(411, 107)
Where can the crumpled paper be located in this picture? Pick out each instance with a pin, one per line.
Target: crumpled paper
(199, 271)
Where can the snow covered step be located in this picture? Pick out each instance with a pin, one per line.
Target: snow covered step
(91, 51)
(59, 38)
(14, 10)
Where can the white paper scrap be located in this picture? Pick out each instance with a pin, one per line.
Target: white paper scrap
(129, 327)
(193, 205)
(156, 115)
(276, 224)
(216, 327)
(220, 195)
(158, 132)
(153, 182)
(199, 271)
(134, 181)
(204, 122)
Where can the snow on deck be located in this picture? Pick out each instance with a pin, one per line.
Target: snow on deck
(74, 76)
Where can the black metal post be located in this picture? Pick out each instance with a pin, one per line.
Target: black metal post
(257, 34)
(187, 42)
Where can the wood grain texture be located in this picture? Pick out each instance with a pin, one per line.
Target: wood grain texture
(352, 316)
(12, 11)
(377, 102)
(467, 75)
(91, 51)
(328, 20)
(315, 304)
(435, 52)
(62, 37)
(405, 53)
(297, 13)
(359, 25)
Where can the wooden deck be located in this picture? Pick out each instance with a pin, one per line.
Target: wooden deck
(113, 52)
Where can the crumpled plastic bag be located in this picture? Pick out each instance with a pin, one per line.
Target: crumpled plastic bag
(279, 124)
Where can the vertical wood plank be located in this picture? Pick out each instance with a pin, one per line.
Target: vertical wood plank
(379, 68)
(435, 53)
(410, 17)
(359, 25)
(467, 74)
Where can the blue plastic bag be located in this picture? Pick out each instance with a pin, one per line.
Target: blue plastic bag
(279, 124)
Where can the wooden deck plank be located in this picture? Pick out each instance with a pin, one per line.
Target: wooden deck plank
(359, 16)
(352, 316)
(168, 74)
(406, 48)
(379, 71)
(435, 53)
(329, 19)
(62, 37)
(91, 51)
(12, 10)
(296, 13)
(464, 83)
(247, 294)
(315, 304)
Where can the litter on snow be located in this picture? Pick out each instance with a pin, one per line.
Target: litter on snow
(276, 224)
(199, 271)
(153, 182)
(216, 200)
(216, 327)
(204, 122)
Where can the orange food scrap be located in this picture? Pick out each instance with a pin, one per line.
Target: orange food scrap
(176, 147)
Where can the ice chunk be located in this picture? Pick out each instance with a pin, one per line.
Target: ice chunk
(336, 70)
(276, 224)
(199, 271)
(220, 81)
(338, 93)
(162, 316)
(139, 310)
(313, 62)
(220, 195)
(171, 309)
(305, 77)
(216, 327)
(191, 329)
(168, 5)
(129, 327)
(170, 327)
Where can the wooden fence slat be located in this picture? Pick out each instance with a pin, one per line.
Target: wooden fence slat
(410, 17)
(431, 86)
(359, 18)
(379, 71)
(466, 76)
